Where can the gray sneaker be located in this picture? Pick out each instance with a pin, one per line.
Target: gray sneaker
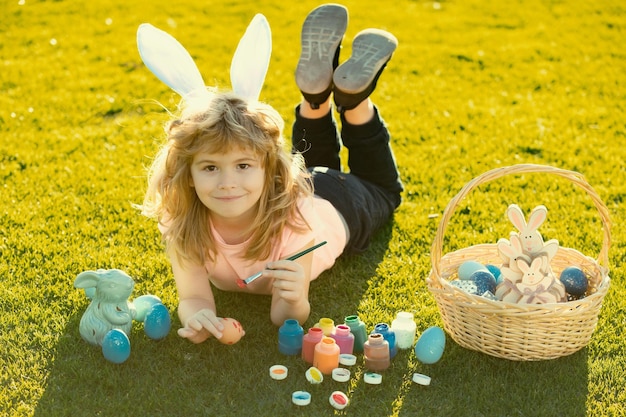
(356, 78)
(322, 33)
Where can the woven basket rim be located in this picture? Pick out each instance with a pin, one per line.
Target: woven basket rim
(602, 283)
(436, 251)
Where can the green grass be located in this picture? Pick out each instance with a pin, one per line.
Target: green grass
(474, 85)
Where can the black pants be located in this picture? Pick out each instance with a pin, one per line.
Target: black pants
(369, 194)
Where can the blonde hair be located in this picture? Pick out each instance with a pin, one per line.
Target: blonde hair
(227, 122)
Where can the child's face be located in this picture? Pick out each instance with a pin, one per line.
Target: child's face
(229, 184)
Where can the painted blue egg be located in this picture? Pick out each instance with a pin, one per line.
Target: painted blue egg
(430, 345)
(116, 346)
(467, 268)
(574, 280)
(157, 323)
(143, 304)
(484, 281)
(495, 271)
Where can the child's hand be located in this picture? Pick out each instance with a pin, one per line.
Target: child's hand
(290, 282)
(202, 325)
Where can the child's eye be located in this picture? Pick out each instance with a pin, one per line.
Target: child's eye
(243, 166)
(210, 168)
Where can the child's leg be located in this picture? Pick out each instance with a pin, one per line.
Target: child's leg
(356, 78)
(368, 196)
(370, 156)
(317, 139)
(363, 131)
(315, 131)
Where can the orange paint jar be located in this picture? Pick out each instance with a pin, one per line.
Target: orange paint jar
(326, 356)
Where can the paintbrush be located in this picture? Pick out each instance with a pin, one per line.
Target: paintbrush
(243, 282)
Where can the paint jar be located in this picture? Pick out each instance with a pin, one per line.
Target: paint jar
(376, 353)
(390, 337)
(343, 338)
(357, 328)
(327, 325)
(290, 336)
(326, 356)
(404, 328)
(312, 338)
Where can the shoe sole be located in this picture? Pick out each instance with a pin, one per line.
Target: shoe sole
(322, 33)
(371, 49)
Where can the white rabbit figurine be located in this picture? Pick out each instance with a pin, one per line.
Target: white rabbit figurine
(536, 286)
(510, 251)
(109, 308)
(524, 252)
(532, 241)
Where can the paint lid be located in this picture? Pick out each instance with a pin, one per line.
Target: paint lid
(372, 378)
(341, 374)
(421, 379)
(338, 400)
(301, 398)
(278, 372)
(314, 375)
(347, 359)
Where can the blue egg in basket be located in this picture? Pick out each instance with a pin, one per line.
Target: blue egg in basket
(495, 271)
(485, 281)
(574, 280)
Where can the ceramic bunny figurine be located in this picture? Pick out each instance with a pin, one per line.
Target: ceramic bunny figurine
(109, 308)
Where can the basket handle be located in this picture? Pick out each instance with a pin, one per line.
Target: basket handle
(575, 177)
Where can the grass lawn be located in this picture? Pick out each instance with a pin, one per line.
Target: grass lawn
(474, 85)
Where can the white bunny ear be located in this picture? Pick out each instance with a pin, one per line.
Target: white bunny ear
(537, 217)
(170, 61)
(251, 59)
(537, 264)
(523, 265)
(516, 216)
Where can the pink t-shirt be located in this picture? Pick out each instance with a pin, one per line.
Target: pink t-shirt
(325, 223)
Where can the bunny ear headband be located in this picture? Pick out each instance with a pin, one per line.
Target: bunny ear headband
(172, 64)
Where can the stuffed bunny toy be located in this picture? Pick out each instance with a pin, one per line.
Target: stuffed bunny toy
(521, 255)
(174, 66)
(109, 308)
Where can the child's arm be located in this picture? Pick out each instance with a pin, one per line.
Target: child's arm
(290, 292)
(196, 307)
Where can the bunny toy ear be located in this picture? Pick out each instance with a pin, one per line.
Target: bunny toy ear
(516, 216)
(251, 59)
(170, 62)
(537, 217)
(87, 279)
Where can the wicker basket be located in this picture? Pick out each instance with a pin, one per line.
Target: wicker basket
(524, 332)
